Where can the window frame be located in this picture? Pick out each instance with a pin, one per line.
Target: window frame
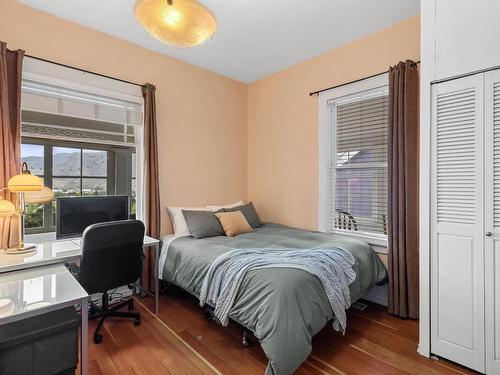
(374, 86)
(48, 169)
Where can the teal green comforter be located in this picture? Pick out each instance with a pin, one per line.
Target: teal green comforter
(283, 307)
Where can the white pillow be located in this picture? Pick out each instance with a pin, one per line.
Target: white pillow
(236, 204)
(177, 218)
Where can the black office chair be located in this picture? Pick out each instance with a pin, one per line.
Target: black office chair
(112, 256)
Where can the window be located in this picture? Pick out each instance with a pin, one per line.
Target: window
(80, 133)
(356, 163)
(76, 169)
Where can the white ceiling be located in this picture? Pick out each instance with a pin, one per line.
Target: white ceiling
(254, 38)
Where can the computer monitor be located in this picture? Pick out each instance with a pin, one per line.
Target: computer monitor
(74, 214)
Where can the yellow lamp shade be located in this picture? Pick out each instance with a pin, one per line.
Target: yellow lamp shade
(43, 196)
(6, 208)
(24, 182)
(180, 23)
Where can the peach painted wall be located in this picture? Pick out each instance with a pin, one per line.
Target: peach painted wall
(201, 115)
(221, 140)
(283, 121)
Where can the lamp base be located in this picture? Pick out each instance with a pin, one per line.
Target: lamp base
(26, 248)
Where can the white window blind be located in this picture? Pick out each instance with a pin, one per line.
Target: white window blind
(66, 104)
(358, 165)
(43, 97)
(52, 111)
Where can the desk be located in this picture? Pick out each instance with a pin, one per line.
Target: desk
(40, 290)
(54, 252)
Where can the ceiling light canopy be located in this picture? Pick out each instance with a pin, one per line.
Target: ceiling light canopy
(180, 23)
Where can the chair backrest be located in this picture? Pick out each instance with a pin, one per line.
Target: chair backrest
(111, 255)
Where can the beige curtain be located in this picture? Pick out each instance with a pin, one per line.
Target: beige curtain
(403, 189)
(10, 134)
(152, 189)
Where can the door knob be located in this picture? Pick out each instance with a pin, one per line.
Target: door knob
(488, 234)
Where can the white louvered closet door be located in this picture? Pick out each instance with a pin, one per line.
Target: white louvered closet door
(492, 220)
(457, 259)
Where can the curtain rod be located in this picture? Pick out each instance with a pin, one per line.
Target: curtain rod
(348, 83)
(442, 80)
(85, 71)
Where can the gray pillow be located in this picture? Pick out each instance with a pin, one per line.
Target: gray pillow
(203, 224)
(248, 210)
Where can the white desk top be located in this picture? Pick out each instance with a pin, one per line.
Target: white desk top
(46, 253)
(148, 241)
(51, 252)
(37, 290)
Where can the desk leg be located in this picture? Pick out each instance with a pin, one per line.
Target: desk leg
(157, 279)
(84, 336)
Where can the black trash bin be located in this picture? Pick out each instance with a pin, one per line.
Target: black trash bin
(46, 344)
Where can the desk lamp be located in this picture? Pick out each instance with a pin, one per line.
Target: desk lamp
(43, 196)
(21, 184)
(7, 209)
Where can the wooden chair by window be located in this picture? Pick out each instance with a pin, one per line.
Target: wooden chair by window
(344, 220)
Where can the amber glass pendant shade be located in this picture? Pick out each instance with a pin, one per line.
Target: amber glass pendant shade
(180, 23)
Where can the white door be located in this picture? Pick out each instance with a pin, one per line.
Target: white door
(457, 243)
(492, 220)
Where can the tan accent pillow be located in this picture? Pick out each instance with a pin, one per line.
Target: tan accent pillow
(233, 223)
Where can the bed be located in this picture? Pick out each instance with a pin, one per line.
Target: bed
(284, 308)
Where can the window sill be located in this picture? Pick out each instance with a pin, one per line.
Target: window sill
(380, 243)
(40, 237)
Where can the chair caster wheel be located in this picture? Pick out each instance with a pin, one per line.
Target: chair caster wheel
(92, 310)
(209, 315)
(97, 338)
(246, 340)
(137, 321)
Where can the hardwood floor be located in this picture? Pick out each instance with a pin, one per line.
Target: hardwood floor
(181, 341)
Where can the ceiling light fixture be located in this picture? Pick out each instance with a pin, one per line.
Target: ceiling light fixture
(180, 23)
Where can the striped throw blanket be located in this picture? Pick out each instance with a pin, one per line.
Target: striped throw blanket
(332, 266)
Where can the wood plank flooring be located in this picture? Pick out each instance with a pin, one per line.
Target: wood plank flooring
(181, 341)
